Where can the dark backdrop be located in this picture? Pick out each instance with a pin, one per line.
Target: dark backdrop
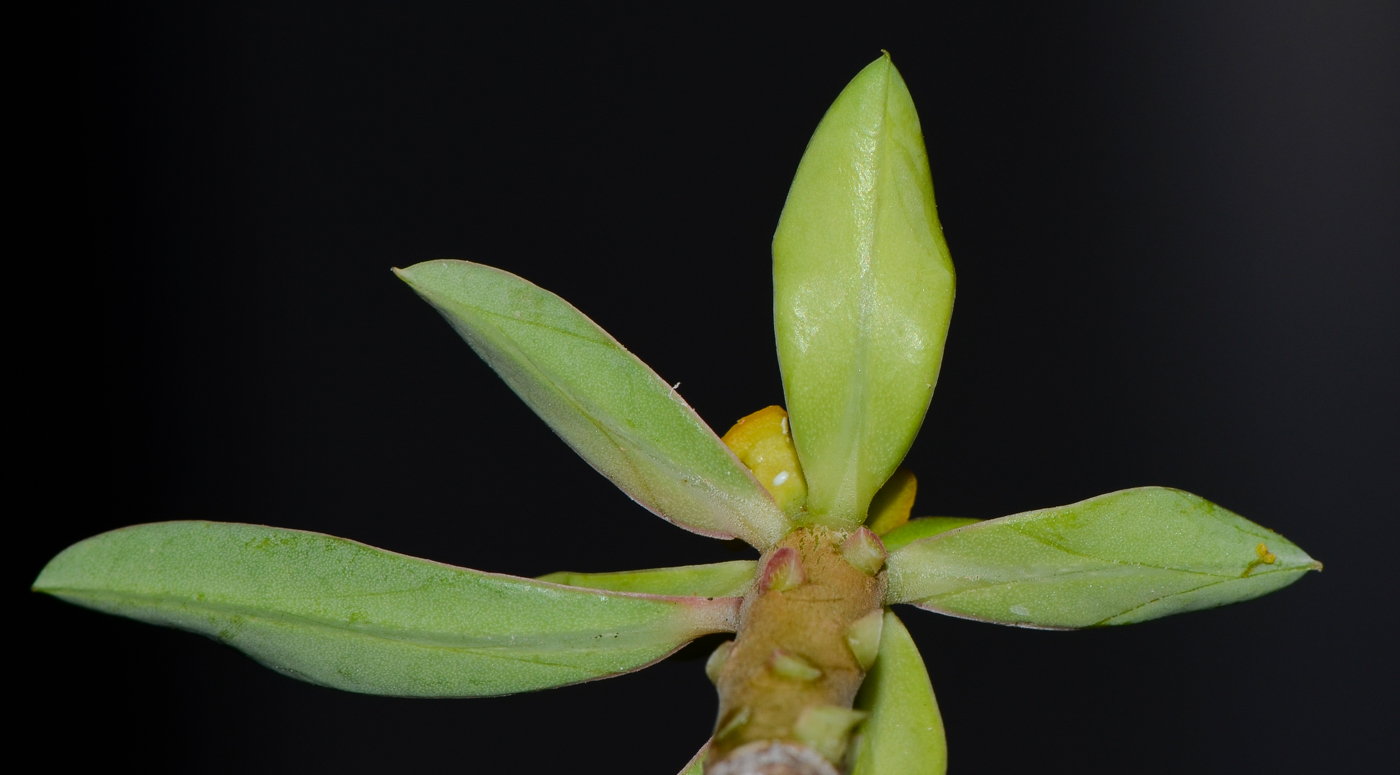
(1175, 229)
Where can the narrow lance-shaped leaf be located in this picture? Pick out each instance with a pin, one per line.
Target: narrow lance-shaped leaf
(863, 290)
(342, 614)
(721, 579)
(1119, 558)
(604, 402)
(904, 734)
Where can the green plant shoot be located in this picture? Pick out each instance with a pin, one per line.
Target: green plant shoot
(821, 678)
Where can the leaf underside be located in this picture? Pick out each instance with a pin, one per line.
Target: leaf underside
(342, 614)
(601, 400)
(863, 291)
(722, 579)
(904, 733)
(1119, 558)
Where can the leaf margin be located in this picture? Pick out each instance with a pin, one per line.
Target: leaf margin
(130, 549)
(901, 565)
(741, 506)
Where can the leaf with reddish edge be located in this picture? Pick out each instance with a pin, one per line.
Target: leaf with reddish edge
(602, 400)
(1120, 558)
(783, 571)
(339, 613)
(721, 579)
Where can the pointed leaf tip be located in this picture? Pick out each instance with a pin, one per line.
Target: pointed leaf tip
(863, 291)
(342, 614)
(602, 401)
(1120, 558)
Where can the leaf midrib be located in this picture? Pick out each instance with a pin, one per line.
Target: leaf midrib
(1223, 580)
(1216, 579)
(1020, 530)
(619, 435)
(419, 638)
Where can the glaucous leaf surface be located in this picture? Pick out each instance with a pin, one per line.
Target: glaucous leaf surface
(923, 527)
(1120, 558)
(343, 614)
(904, 733)
(722, 579)
(863, 290)
(604, 402)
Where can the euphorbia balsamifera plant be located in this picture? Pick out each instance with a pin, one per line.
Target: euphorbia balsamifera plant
(821, 677)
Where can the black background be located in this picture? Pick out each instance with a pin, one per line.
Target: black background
(1175, 228)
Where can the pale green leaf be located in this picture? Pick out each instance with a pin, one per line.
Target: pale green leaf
(904, 734)
(604, 402)
(342, 614)
(1119, 558)
(923, 527)
(722, 579)
(863, 290)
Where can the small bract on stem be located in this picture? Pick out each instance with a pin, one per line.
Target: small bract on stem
(821, 677)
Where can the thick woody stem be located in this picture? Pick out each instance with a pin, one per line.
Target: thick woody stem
(793, 656)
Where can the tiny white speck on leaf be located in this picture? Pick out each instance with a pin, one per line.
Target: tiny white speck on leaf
(780, 478)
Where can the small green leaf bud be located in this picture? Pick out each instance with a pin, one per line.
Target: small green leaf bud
(783, 572)
(864, 551)
(793, 667)
(716, 661)
(826, 729)
(734, 723)
(863, 636)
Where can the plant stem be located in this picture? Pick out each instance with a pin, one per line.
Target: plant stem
(792, 655)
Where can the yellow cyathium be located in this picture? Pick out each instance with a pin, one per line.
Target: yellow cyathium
(763, 442)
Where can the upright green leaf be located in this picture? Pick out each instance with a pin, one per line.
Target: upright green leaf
(904, 734)
(863, 289)
(1119, 558)
(604, 402)
(342, 614)
(721, 579)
